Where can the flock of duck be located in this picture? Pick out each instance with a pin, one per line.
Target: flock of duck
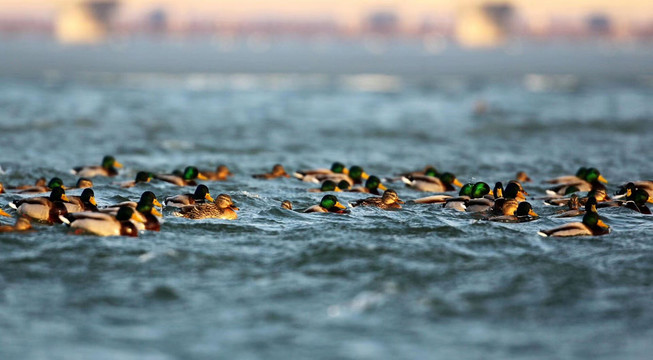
(581, 194)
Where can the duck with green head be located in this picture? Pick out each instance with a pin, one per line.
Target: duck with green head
(312, 175)
(592, 225)
(566, 179)
(142, 177)
(55, 182)
(467, 192)
(464, 194)
(389, 200)
(329, 203)
(104, 224)
(188, 177)
(108, 168)
(42, 208)
(201, 195)
(277, 172)
(441, 183)
(356, 175)
(222, 208)
(645, 185)
(592, 180)
(636, 200)
(146, 206)
(84, 202)
(372, 186)
(327, 186)
(483, 198)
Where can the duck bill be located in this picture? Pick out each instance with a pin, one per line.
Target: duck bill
(337, 190)
(521, 196)
(364, 176)
(399, 201)
(64, 198)
(156, 202)
(457, 183)
(156, 212)
(137, 216)
(202, 176)
(208, 197)
(3, 213)
(532, 213)
(601, 224)
(382, 187)
(345, 171)
(117, 164)
(234, 207)
(92, 201)
(602, 179)
(340, 206)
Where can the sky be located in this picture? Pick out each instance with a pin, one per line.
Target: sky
(345, 11)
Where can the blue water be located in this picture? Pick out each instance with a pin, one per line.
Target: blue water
(423, 282)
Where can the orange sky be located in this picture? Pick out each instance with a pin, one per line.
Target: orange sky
(349, 11)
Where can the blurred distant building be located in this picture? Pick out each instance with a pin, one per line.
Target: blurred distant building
(84, 21)
(382, 22)
(599, 25)
(483, 23)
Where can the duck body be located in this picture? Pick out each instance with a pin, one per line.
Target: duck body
(108, 168)
(44, 209)
(200, 195)
(277, 171)
(523, 213)
(329, 203)
(103, 224)
(222, 208)
(84, 202)
(592, 225)
(221, 173)
(389, 200)
(372, 186)
(427, 184)
(186, 178)
(22, 224)
(53, 183)
(316, 174)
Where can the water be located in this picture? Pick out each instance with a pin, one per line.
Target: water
(423, 282)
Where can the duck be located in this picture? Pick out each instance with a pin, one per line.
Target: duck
(22, 224)
(389, 200)
(566, 179)
(642, 184)
(442, 183)
(108, 168)
(104, 224)
(142, 177)
(83, 183)
(372, 186)
(147, 197)
(84, 202)
(523, 213)
(592, 180)
(200, 195)
(592, 225)
(277, 172)
(637, 201)
(329, 203)
(343, 185)
(286, 204)
(467, 192)
(311, 175)
(222, 208)
(573, 204)
(53, 183)
(464, 194)
(2, 189)
(356, 175)
(41, 208)
(327, 185)
(483, 200)
(146, 207)
(522, 177)
(429, 170)
(186, 178)
(40, 182)
(221, 173)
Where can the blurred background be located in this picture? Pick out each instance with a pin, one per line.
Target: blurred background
(412, 38)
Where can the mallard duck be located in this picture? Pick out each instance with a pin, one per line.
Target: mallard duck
(84, 202)
(41, 208)
(443, 183)
(372, 186)
(523, 213)
(108, 168)
(573, 204)
(467, 192)
(464, 194)
(222, 208)
(344, 185)
(389, 200)
(201, 194)
(277, 172)
(483, 200)
(522, 177)
(221, 173)
(286, 204)
(83, 183)
(103, 224)
(40, 183)
(326, 186)
(53, 183)
(592, 225)
(429, 170)
(142, 177)
(146, 207)
(592, 180)
(329, 203)
(566, 179)
(147, 197)
(642, 184)
(637, 201)
(187, 178)
(356, 175)
(22, 224)
(311, 175)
